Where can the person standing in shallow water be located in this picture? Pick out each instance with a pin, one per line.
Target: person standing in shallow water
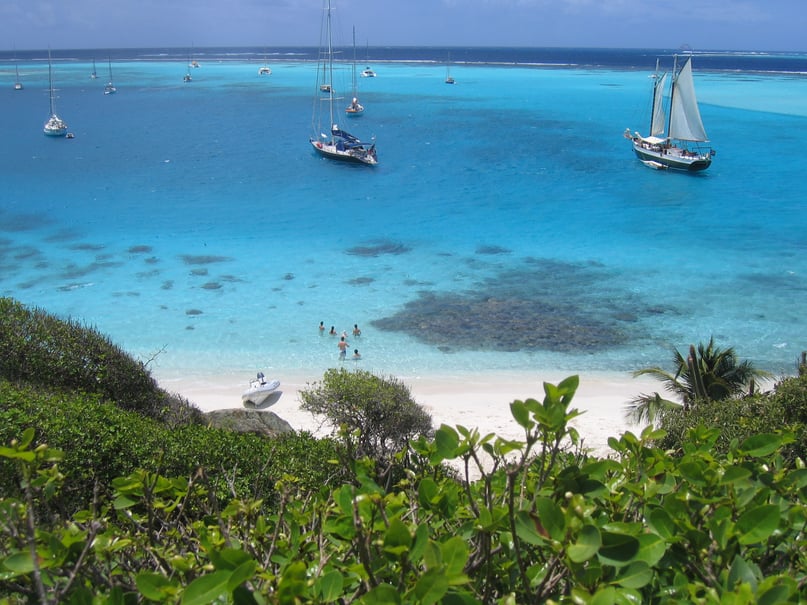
(333, 331)
(356, 331)
(343, 345)
(322, 327)
(356, 355)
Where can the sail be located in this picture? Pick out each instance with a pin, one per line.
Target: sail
(685, 119)
(658, 122)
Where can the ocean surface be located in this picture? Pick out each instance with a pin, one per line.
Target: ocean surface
(508, 225)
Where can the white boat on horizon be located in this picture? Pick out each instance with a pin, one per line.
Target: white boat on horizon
(677, 138)
(260, 390)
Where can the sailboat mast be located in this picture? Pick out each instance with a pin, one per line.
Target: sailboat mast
(330, 65)
(672, 96)
(50, 83)
(653, 102)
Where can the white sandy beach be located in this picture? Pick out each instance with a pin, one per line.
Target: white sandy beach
(474, 400)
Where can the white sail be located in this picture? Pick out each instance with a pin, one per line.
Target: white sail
(685, 118)
(658, 122)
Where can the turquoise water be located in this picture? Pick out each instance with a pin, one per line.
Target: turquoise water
(508, 225)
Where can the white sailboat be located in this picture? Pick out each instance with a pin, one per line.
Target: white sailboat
(187, 78)
(367, 72)
(677, 138)
(55, 126)
(355, 108)
(17, 83)
(94, 74)
(264, 70)
(449, 77)
(110, 89)
(337, 144)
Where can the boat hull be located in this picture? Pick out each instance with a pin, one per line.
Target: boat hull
(356, 156)
(673, 158)
(258, 393)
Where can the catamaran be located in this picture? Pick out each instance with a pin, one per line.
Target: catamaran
(677, 138)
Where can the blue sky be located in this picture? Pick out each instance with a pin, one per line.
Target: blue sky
(701, 24)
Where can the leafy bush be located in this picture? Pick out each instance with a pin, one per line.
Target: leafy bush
(100, 442)
(784, 408)
(642, 527)
(38, 348)
(376, 416)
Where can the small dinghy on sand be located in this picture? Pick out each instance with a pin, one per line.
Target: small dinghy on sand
(260, 390)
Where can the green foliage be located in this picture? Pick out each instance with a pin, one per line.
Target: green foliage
(375, 415)
(38, 348)
(539, 526)
(101, 442)
(784, 408)
(707, 374)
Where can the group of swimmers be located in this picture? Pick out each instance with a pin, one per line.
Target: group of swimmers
(343, 343)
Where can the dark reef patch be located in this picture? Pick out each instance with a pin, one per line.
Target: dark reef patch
(360, 281)
(211, 285)
(548, 306)
(167, 284)
(378, 247)
(139, 249)
(194, 312)
(492, 250)
(203, 259)
(22, 222)
(198, 272)
(86, 247)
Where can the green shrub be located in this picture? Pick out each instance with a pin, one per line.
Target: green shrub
(38, 348)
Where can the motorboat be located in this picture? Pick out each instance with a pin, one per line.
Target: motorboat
(260, 390)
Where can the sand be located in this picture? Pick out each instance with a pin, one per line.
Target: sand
(472, 400)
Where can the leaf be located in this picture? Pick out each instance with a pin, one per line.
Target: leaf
(529, 528)
(383, 594)
(742, 572)
(757, 524)
(551, 518)
(651, 549)
(455, 555)
(153, 585)
(661, 523)
(20, 562)
(636, 575)
(521, 414)
(618, 549)
(206, 589)
(761, 445)
(397, 539)
(588, 543)
(331, 585)
(431, 587)
(241, 574)
(447, 440)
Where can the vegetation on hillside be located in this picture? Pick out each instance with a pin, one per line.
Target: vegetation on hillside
(103, 504)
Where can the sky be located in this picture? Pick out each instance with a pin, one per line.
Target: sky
(775, 25)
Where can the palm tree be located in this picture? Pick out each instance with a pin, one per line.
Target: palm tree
(707, 374)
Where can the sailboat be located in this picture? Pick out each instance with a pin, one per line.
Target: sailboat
(449, 78)
(55, 126)
(264, 69)
(187, 77)
(94, 74)
(17, 83)
(367, 72)
(338, 144)
(677, 138)
(355, 108)
(110, 89)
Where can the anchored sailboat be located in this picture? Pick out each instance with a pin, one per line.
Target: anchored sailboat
(110, 89)
(17, 83)
(338, 144)
(677, 138)
(55, 126)
(355, 108)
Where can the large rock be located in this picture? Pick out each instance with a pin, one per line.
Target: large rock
(244, 420)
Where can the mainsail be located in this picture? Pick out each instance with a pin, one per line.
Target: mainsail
(685, 118)
(658, 121)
